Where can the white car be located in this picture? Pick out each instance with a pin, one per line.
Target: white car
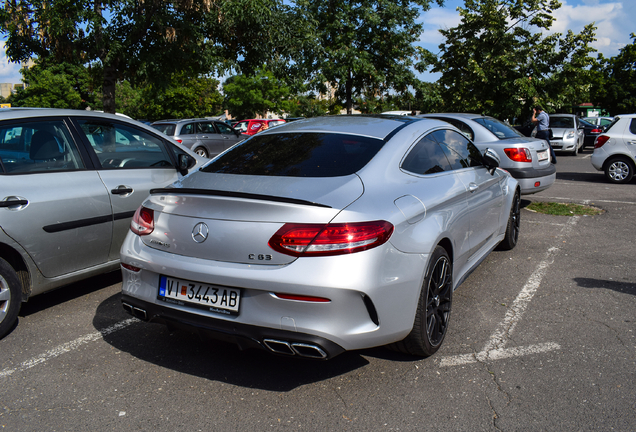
(615, 149)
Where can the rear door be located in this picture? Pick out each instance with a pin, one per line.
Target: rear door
(130, 162)
(217, 137)
(52, 203)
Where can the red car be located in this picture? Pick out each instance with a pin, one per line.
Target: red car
(251, 126)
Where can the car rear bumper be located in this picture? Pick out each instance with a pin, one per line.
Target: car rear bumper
(533, 180)
(243, 335)
(372, 296)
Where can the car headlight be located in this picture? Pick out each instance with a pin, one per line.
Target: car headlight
(570, 135)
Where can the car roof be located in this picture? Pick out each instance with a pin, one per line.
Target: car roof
(374, 126)
(186, 120)
(19, 112)
(468, 116)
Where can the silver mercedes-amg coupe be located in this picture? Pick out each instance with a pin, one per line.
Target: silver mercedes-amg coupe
(322, 235)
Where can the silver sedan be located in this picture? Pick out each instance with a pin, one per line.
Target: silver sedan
(322, 235)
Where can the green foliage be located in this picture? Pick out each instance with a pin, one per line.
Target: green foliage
(496, 61)
(613, 82)
(57, 86)
(183, 97)
(362, 45)
(247, 96)
(307, 106)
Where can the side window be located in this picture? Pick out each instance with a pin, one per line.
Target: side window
(224, 129)
(187, 129)
(463, 127)
(118, 145)
(38, 146)
(632, 126)
(206, 128)
(241, 126)
(426, 157)
(461, 152)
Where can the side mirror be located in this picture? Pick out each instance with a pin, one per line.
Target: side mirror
(185, 163)
(491, 160)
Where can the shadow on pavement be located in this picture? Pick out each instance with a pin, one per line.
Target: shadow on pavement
(69, 292)
(621, 287)
(218, 361)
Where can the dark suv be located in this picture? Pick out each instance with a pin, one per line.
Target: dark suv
(205, 137)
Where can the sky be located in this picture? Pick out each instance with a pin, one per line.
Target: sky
(614, 21)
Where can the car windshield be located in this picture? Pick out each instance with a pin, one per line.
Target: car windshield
(497, 127)
(298, 155)
(166, 128)
(561, 122)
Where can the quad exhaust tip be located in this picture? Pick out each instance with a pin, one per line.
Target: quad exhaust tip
(295, 348)
(135, 311)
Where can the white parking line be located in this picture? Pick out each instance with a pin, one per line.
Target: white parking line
(67, 347)
(494, 349)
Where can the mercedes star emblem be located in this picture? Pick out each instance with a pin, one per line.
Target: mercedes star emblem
(200, 232)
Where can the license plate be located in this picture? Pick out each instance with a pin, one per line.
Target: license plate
(542, 155)
(213, 298)
(555, 144)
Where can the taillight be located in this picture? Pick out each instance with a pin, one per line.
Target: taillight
(519, 154)
(180, 141)
(596, 131)
(330, 239)
(600, 140)
(143, 222)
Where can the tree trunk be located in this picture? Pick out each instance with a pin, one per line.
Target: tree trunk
(108, 89)
(348, 89)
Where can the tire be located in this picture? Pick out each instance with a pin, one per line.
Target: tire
(619, 169)
(201, 151)
(10, 297)
(433, 308)
(514, 223)
(576, 149)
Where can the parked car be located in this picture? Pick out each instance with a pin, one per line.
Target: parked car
(599, 121)
(526, 159)
(345, 232)
(207, 138)
(591, 131)
(615, 149)
(252, 126)
(567, 133)
(71, 182)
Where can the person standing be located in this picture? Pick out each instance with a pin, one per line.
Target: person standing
(542, 120)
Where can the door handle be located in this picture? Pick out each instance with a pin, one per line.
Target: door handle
(13, 202)
(121, 190)
(472, 187)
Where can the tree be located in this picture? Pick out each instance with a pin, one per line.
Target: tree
(497, 61)
(614, 81)
(149, 41)
(362, 45)
(57, 86)
(247, 96)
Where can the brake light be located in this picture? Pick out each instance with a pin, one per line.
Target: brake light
(143, 222)
(330, 239)
(600, 140)
(519, 154)
(596, 131)
(180, 141)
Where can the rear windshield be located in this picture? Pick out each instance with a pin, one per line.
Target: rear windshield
(500, 129)
(167, 128)
(561, 122)
(298, 155)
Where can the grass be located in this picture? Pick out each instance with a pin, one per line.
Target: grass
(564, 209)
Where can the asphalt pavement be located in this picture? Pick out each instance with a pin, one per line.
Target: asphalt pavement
(542, 338)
